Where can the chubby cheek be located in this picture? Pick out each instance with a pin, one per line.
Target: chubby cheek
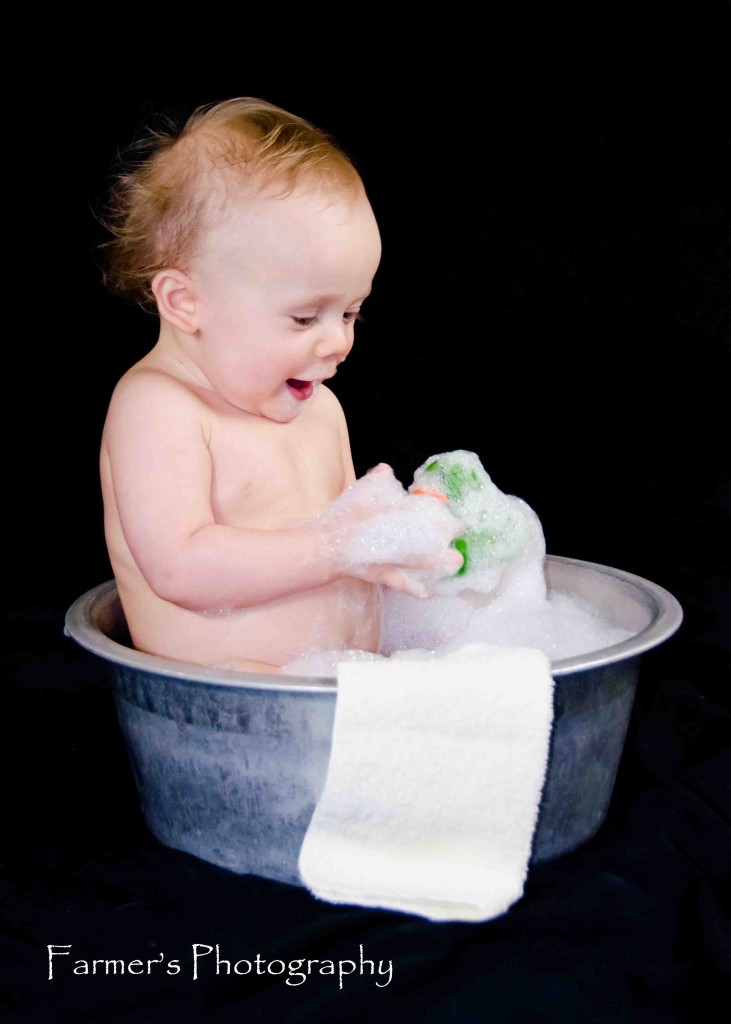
(257, 372)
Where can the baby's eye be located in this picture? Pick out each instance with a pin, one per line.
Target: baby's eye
(304, 321)
(351, 316)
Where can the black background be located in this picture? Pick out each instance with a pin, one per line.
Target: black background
(554, 294)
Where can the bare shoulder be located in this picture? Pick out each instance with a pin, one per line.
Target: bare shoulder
(333, 411)
(148, 394)
(142, 385)
(332, 416)
(329, 407)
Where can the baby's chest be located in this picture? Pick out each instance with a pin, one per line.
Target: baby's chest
(269, 477)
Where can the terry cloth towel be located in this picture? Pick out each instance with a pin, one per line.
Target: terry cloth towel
(434, 783)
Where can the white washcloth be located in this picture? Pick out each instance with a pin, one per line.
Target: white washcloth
(434, 783)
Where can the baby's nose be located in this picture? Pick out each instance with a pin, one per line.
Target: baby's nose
(334, 340)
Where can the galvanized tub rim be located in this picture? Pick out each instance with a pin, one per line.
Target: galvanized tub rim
(666, 617)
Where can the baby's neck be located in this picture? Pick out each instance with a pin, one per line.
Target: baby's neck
(174, 352)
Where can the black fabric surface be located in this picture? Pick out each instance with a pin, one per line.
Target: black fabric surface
(554, 294)
(628, 928)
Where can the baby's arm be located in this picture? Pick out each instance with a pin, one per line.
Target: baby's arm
(162, 475)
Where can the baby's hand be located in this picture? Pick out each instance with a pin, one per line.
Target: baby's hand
(384, 535)
(417, 584)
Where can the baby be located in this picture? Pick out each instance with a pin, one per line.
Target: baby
(252, 235)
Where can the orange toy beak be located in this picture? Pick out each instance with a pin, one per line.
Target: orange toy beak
(433, 494)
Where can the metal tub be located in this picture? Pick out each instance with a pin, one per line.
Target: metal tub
(229, 765)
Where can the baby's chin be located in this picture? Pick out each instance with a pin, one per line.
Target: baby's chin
(283, 406)
(289, 402)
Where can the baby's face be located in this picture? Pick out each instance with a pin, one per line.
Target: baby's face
(279, 285)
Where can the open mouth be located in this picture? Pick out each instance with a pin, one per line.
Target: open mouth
(301, 389)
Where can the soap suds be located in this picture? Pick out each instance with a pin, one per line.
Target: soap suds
(498, 597)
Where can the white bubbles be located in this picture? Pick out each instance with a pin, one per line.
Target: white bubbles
(376, 522)
(561, 626)
(324, 663)
(500, 595)
(500, 598)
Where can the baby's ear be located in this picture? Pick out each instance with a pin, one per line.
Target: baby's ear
(176, 299)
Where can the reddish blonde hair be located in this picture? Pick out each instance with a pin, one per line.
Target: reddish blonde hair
(160, 202)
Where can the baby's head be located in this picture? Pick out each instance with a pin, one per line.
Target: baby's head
(251, 234)
(176, 183)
